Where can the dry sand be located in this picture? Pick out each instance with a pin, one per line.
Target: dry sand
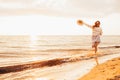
(109, 70)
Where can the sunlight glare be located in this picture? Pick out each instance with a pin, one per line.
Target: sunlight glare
(36, 58)
(33, 41)
(33, 38)
(41, 79)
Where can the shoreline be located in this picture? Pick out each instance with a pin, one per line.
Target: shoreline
(51, 62)
(70, 66)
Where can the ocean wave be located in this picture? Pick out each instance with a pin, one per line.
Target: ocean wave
(109, 47)
(47, 63)
(76, 49)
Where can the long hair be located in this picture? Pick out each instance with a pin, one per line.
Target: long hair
(97, 24)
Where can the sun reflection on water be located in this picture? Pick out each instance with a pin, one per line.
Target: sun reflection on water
(33, 41)
(41, 79)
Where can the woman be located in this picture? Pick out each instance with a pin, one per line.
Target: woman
(96, 33)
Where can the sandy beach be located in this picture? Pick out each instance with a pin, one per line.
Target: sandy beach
(109, 70)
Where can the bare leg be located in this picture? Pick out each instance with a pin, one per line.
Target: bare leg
(96, 59)
(96, 56)
(96, 47)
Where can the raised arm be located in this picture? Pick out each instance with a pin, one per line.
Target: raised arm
(87, 25)
(80, 22)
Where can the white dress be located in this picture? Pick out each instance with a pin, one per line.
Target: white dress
(96, 33)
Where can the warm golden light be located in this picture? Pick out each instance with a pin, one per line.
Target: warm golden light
(33, 38)
(41, 79)
(33, 41)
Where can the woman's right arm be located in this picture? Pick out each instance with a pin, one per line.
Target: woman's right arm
(87, 25)
(80, 22)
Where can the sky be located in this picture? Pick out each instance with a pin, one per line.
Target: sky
(58, 17)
